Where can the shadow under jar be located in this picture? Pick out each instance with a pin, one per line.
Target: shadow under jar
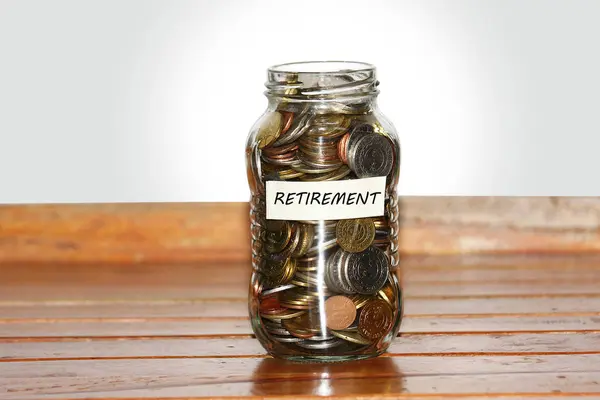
(323, 165)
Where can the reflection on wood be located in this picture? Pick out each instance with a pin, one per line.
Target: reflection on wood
(483, 327)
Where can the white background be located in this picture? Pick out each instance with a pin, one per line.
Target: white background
(106, 101)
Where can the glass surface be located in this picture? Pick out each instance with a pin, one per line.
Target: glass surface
(323, 290)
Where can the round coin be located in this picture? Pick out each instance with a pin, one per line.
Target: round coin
(269, 130)
(367, 271)
(270, 305)
(356, 133)
(375, 319)
(372, 155)
(340, 312)
(355, 235)
(278, 235)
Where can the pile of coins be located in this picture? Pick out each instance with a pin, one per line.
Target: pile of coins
(325, 287)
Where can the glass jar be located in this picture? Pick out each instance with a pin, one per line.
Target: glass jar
(323, 165)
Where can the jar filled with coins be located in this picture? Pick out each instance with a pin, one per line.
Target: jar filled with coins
(323, 165)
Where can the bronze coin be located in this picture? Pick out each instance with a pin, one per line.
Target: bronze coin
(340, 312)
(270, 305)
(375, 319)
(343, 149)
(288, 117)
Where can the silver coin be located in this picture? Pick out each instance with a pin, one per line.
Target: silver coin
(325, 344)
(368, 270)
(299, 126)
(286, 339)
(346, 287)
(358, 132)
(371, 155)
(277, 331)
(277, 289)
(333, 272)
(320, 338)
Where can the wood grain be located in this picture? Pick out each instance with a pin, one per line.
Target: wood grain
(187, 232)
(477, 327)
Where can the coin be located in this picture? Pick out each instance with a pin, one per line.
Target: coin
(357, 132)
(278, 235)
(285, 314)
(387, 294)
(271, 305)
(305, 326)
(321, 345)
(277, 290)
(375, 319)
(355, 235)
(298, 127)
(288, 117)
(333, 273)
(307, 235)
(371, 155)
(367, 271)
(286, 339)
(269, 129)
(353, 337)
(339, 312)
(343, 149)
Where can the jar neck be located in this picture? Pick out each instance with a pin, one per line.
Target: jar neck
(322, 83)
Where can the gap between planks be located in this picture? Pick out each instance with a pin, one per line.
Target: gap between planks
(243, 318)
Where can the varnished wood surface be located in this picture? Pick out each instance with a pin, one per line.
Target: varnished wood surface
(201, 232)
(477, 327)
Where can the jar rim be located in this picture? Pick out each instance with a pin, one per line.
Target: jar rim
(322, 67)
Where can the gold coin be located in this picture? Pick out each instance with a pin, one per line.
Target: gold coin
(287, 314)
(387, 293)
(355, 235)
(307, 233)
(353, 337)
(360, 300)
(269, 130)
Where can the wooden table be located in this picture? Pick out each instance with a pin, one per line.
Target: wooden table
(486, 327)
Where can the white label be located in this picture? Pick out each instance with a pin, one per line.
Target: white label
(356, 198)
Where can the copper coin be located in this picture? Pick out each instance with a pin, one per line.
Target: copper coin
(270, 305)
(288, 117)
(342, 149)
(340, 312)
(271, 151)
(375, 319)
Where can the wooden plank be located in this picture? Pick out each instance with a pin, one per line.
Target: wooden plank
(132, 233)
(237, 290)
(240, 326)
(239, 307)
(480, 344)
(239, 376)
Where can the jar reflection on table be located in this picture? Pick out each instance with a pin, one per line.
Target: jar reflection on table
(324, 289)
(274, 377)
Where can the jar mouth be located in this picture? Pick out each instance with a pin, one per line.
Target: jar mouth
(322, 67)
(310, 81)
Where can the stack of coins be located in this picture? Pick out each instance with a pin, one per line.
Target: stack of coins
(325, 287)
